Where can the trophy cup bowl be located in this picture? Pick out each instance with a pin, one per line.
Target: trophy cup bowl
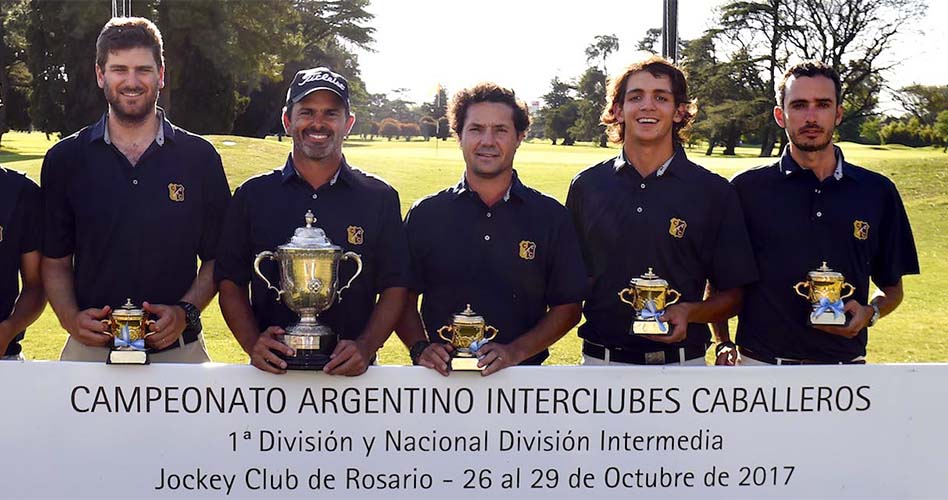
(128, 326)
(309, 285)
(649, 298)
(466, 329)
(825, 293)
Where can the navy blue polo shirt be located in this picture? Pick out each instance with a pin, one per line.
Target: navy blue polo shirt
(511, 261)
(854, 220)
(21, 231)
(358, 212)
(133, 231)
(682, 221)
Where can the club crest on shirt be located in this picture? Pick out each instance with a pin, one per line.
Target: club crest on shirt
(677, 227)
(528, 250)
(354, 234)
(861, 230)
(176, 192)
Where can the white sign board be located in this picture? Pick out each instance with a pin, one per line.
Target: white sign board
(77, 430)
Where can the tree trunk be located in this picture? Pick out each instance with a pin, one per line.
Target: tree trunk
(768, 142)
(730, 141)
(554, 141)
(711, 144)
(602, 140)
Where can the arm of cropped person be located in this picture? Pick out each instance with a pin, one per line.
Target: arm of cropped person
(29, 304)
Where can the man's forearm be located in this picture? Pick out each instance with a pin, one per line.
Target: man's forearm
(31, 301)
(58, 282)
(889, 299)
(203, 288)
(409, 327)
(386, 313)
(551, 327)
(235, 306)
(717, 307)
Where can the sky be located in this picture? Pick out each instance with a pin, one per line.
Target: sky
(523, 44)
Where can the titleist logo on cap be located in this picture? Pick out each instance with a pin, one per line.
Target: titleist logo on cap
(314, 75)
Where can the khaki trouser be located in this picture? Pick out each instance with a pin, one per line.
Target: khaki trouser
(195, 352)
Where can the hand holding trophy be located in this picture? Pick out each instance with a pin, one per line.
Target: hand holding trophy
(649, 298)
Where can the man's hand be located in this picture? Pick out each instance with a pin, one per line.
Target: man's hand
(677, 317)
(89, 329)
(436, 356)
(726, 355)
(496, 357)
(861, 315)
(170, 324)
(350, 358)
(262, 354)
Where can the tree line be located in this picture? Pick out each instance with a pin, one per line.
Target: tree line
(734, 66)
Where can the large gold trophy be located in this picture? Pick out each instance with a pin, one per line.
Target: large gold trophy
(825, 296)
(649, 295)
(467, 333)
(309, 285)
(128, 326)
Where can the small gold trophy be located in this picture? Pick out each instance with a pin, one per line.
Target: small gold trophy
(649, 295)
(128, 326)
(825, 296)
(468, 332)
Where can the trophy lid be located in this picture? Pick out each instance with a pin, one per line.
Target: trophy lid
(309, 237)
(128, 311)
(824, 274)
(649, 279)
(468, 317)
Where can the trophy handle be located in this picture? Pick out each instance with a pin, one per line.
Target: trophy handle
(441, 332)
(108, 326)
(148, 333)
(677, 296)
(256, 267)
(623, 292)
(490, 332)
(852, 290)
(796, 288)
(358, 259)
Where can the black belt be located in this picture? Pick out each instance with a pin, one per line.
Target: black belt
(189, 335)
(771, 360)
(663, 357)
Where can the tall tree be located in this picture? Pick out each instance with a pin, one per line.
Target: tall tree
(650, 41)
(560, 112)
(601, 48)
(758, 28)
(591, 93)
(15, 78)
(855, 37)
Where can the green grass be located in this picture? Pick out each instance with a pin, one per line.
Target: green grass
(912, 334)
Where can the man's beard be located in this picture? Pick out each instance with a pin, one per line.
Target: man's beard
(811, 147)
(123, 113)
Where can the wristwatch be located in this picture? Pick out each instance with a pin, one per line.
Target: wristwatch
(416, 349)
(875, 313)
(191, 313)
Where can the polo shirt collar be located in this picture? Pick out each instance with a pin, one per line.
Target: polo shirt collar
(788, 166)
(516, 188)
(101, 129)
(344, 172)
(622, 161)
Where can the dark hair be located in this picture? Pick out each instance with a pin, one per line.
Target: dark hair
(122, 33)
(809, 68)
(487, 92)
(658, 67)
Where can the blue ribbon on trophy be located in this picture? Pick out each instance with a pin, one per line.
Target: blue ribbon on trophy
(476, 346)
(825, 305)
(651, 313)
(123, 340)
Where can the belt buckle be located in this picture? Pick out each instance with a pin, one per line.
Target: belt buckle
(655, 358)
